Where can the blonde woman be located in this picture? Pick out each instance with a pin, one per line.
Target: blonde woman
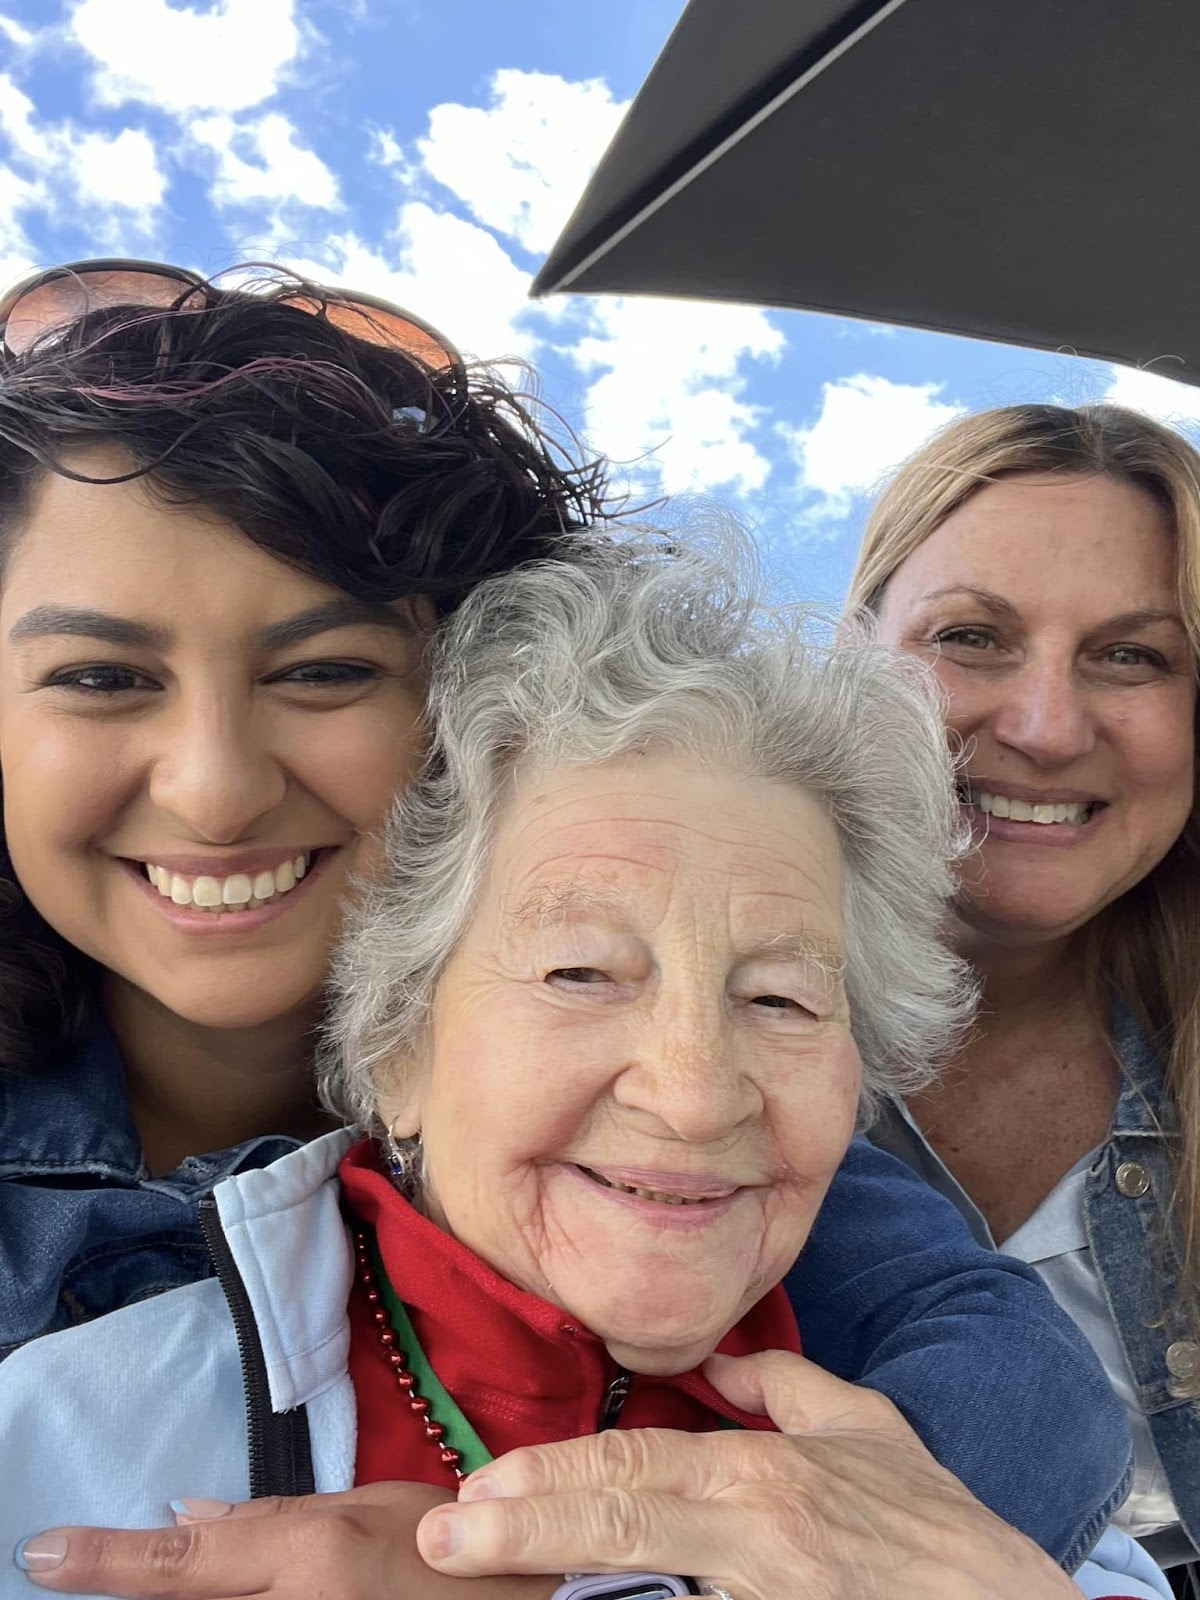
(1046, 563)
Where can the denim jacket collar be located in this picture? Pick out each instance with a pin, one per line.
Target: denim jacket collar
(1141, 1103)
(72, 1117)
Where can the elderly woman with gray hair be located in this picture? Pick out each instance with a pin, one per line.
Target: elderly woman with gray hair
(596, 1010)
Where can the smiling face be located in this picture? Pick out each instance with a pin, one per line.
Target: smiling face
(1048, 607)
(641, 1076)
(196, 742)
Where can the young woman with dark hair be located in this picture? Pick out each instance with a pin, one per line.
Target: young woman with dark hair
(228, 519)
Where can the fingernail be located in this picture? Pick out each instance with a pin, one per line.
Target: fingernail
(483, 1486)
(42, 1553)
(201, 1510)
(443, 1533)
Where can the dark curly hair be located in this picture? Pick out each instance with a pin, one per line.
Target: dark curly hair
(347, 459)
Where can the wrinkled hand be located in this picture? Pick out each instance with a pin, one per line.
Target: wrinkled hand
(844, 1503)
(354, 1546)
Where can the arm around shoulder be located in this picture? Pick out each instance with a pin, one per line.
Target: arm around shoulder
(894, 1293)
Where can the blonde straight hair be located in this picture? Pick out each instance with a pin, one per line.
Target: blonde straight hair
(1145, 947)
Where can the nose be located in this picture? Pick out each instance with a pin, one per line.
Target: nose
(1045, 715)
(215, 772)
(688, 1074)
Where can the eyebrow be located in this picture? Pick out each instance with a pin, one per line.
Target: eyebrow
(1146, 617)
(552, 905)
(801, 947)
(78, 622)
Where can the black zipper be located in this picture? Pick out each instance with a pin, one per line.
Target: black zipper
(614, 1400)
(279, 1442)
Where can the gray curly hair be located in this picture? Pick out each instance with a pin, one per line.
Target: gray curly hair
(643, 645)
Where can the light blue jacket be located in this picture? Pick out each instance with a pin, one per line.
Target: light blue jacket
(150, 1403)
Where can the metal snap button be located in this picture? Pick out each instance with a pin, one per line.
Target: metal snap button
(1183, 1359)
(1132, 1179)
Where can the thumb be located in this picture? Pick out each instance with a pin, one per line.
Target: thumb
(800, 1397)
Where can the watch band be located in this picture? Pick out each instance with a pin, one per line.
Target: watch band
(622, 1586)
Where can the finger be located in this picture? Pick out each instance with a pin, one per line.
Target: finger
(800, 1397)
(607, 1530)
(410, 1498)
(146, 1563)
(657, 1460)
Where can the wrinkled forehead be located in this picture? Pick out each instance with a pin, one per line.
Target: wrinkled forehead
(632, 846)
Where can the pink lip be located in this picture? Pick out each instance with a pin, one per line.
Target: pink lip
(223, 924)
(702, 1213)
(249, 862)
(688, 1185)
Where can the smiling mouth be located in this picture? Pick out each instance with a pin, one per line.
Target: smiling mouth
(665, 1197)
(235, 891)
(1047, 813)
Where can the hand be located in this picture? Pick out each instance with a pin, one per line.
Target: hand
(843, 1503)
(355, 1546)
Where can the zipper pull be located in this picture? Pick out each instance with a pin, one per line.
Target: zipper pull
(615, 1397)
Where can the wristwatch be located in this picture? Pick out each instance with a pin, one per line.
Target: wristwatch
(622, 1586)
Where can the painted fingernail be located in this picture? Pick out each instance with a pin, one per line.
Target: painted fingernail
(483, 1486)
(442, 1533)
(42, 1553)
(201, 1510)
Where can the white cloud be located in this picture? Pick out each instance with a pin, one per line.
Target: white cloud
(222, 56)
(1158, 396)
(15, 33)
(664, 378)
(866, 426)
(670, 381)
(261, 161)
(519, 163)
(114, 179)
(447, 270)
(121, 172)
(17, 198)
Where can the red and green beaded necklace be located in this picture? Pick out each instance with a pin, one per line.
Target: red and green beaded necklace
(459, 1447)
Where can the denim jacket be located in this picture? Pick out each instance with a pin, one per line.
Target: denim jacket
(891, 1291)
(1127, 1193)
(84, 1228)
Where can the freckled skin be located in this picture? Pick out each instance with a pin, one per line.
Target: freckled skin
(213, 750)
(1062, 693)
(649, 982)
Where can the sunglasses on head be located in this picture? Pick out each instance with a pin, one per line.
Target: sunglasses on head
(58, 296)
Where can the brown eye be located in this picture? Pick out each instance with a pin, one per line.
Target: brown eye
(580, 975)
(101, 679)
(968, 638)
(328, 674)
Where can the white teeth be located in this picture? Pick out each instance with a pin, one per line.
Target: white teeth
(207, 892)
(1045, 813)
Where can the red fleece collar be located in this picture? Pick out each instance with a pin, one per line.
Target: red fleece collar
(510, 1356)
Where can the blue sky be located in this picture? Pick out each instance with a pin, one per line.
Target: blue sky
(428, 151)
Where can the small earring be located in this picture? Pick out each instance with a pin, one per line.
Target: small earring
(404, 1161)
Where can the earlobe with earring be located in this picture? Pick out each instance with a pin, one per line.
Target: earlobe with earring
(403, 1156)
